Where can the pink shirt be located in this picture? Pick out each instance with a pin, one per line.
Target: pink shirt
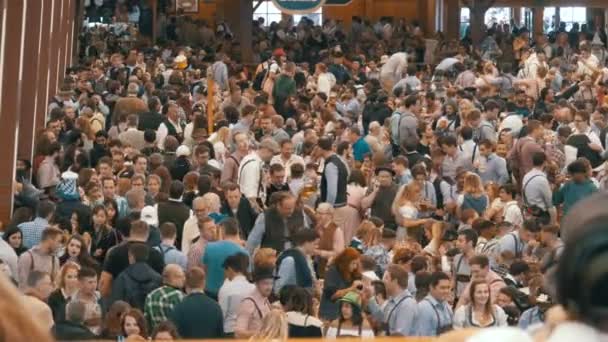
(251, 313)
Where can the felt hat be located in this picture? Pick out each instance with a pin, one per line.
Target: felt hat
(351, 298)
(386, 168)
(263, 273)
(279, 52)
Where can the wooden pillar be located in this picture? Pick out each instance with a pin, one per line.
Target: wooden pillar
(452, 19)
(43, 64)
(33, 24)
(516, 15)
(426, 11)
(369, 9)
(10, 103)
(54, 50)
(61, 44)
(154, 5)
(239, 15)
(538, 23)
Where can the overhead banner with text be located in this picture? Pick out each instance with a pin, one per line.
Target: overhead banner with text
(337, 2)
(298, 6)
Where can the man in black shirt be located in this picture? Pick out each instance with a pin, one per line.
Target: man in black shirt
(277, 181)
(117, 259)
(153, 118)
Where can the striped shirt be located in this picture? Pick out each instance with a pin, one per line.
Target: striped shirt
(195, 254)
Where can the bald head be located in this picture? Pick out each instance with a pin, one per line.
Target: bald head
(174, 276)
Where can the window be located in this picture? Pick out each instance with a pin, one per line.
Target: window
(571, 15)
(499, 15)
(271, 13)
(465, 19)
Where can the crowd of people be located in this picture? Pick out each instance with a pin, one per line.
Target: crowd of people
(360, 182)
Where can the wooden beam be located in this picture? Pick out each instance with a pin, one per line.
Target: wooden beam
(10, 103)
(33, 23)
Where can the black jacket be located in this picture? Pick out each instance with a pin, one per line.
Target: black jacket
(149, 120)
(187, 317)
(70, 331)
(135, 283)
(57, 303)
(244, 214)
(175, 212)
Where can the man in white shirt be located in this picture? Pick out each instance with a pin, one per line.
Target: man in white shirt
(251, 173)
(235, 288)
(287, 158)
(392, 70)
(510, 211)
(581, 126)
(469, 147)
(170, 126)
(587, 63)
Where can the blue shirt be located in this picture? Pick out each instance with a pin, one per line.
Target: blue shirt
(431, 316)
(530, 317)
(360, 149)
(172, 255)
(32, 231)
(399, 314)
(215, 254)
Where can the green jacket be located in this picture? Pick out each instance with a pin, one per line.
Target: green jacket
(572, 192)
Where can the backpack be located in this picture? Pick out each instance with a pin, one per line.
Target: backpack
(136, 292)
(258, 81)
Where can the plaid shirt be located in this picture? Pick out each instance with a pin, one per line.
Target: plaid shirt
(160, 303)
(32, 231)
(195, 254)
(380, 255)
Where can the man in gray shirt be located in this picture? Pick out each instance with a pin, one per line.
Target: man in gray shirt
(491, 167)
(536, 189)
(400, 312)
(454, 159)
(406, 125)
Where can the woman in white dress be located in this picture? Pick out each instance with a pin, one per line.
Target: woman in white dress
(480, 313)
(406, 210)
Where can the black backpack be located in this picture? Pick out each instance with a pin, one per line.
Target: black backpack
(136, 292)
(258, 80)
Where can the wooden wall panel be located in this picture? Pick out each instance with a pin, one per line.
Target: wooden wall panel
(373, 10)
(345, 13)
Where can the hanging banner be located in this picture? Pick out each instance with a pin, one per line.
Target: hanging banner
(298, 6)
(337, 2)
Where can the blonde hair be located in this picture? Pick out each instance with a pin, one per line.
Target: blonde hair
(473, 184)
(212, 202)
(406, 193)
(222, 135)
(274, 328)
